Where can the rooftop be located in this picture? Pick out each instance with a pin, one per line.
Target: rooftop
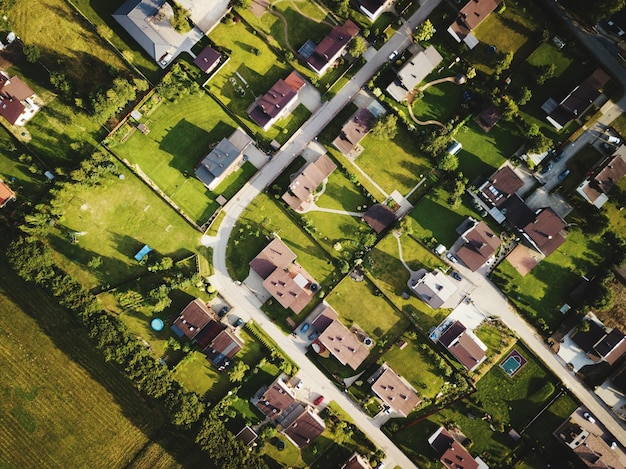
(414, 71)
(434, 288)
(193, 318)
(480, 244)
(307, 181)
(379, 217)
(329, 48)
(276, 100)
(6, 194)
(354, 130)
(277, 398)
(276, 255)
(207, 59)
(546, 231)
(470, 16)
(290, 287)
(451, 453)
(305, 428)
(396, 392)
(502, 184)
(344, 345)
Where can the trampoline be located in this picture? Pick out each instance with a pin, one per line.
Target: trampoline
(513, 363)
(157, 324)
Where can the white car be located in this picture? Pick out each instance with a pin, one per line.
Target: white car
(613, 140)
(452, 258)
(300, 384)
(393, 55)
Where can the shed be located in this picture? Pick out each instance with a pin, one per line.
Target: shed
(440, 250)
(455, 147)
(143, 252)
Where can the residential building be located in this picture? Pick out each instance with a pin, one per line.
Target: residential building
(374, 8)
(394, 390)
(413, 72)
(225, 158)
(276, 401)
(464, 345)
(546, 232)
(379, 217)
(17, 100)
(278, 102)
(480, 244)
(224, 346)
(331, 47)
(288, 282)
(433, 288)
(246, 435)
(6, 194)
(354, 131)
(500, 186)
(600, 343)
(303, 425)
(148, 22)
(208, 59)
(192, 319)
(489, 117)
(471, 15)
(341, 342)
(299, 195)
(356, 461)
(453, 454)
(578, 101)
(596, 187)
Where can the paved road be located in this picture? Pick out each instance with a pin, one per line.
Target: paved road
(245, 304)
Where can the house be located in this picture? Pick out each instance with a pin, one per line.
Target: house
(453, 454)
(546, 232)
(276, 401)
(379, 217)
(356, 461)
(480, 244)
(299, 195)
(192, 319)
(595, 188)
(578, 101)
(489, 117)
(17, 100)
(288, 282)
(502, 184)
(394, 390)
(6, 194)
(413, 72)
(464, 345)
(374, 8)
(433, 288)
(302, 425)
(278, 102)
(246, 435)
(148, 22)
(600, 343)
(470, 16)
(354, 131)
(225, 158)
(208, 59)
(342, 343)
(331, 47)
(224, 346)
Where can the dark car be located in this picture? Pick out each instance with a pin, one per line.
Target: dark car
(223, 311)
(559, 156)
(455, 275)
(238, 322)
(278, 443)
(313, 335)
(564, 174)
(547, 168)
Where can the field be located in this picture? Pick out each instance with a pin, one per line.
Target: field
(181, 133)
(16, 173)
(116, 219)
(440, 102)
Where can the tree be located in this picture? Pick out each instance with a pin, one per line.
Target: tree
(238, 372)
(179, 20)
(358, 46)
(504, 63)
(185, 407)
(470, 73)
(32, 53)
(59, 81)
(448, 162)
(544, 73)
(385, 128)
(511, 109)
(424, 31)
(538, 143)
(342, 432)
(344, 267)
(524, 96)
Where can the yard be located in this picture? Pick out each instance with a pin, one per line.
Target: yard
(181, 134)
(440, 102)
(357, 303)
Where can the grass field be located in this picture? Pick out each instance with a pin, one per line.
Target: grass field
(117, 218)
(180, 135)
(440, 102)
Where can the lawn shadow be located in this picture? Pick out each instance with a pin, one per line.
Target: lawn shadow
(177, 140)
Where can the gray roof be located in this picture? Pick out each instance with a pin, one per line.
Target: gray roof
(413, 72)
(217, 161)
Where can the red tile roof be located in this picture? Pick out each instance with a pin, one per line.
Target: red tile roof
(6, 194)
(344, 345)
(332, 45)
(450, 452)
(471, 15)
(395, 392)
(291, 288)
(276, 399)
(305, 428)
(461, 344)
(193, 318)
(308, 179)
(276, 255)
(279, 97)
(546, 231)
(14, 88)
(501, 185)
(480, 244)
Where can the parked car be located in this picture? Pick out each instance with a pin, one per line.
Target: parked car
(564, 174)
(305, 327)
(223, 311)
(318, 400)
(559, 156)
(456, 276)
(393, 55)
(613, 140)
(547, 168)
(238, 322)
(588, 416)
(313, 335)
(300, 384)
(452, 258)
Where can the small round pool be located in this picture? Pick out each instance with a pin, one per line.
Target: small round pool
(157, 324)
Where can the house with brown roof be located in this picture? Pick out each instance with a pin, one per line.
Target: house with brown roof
(192, 319)
(500, 186)
(433, 288)
(480, 244)
(246, 435)
(299, 195)
(6, 194)
(208, 59)
(356, 461)
(453, 454)
(341, 342)
(578, 101)
(354, 131)
(413, 72)
(596, 187)
(394, 390)
(464, 345)
(600, 343)
(288, 282)
(546, 232)
(17, 100)
(331, 47)
(374, 8)
(275, 401)
(379, 217)
(278, 102)
(223, 348)
(489, 117)
(225, 158)
(303, 425)
(471, 15)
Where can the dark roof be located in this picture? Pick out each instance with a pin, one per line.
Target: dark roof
(471, 15)
(480, 244)
(193, 318)
(11, 109)
(581, 97)
(272, 103)
(307, 180)
(354, 130)
(208, 333)
(325, 319)
(501, 185)
(546, 231)
(208, 59)
(586, 340)
(451, 453)
(356, 461)
(379, 217)
(225, 345)
(619, 379)
(372, 5)
(275, 255)
(611, 173)
(516, 211)
(489, 117)
(329, 47)
(276, 399)
(612, 346)
(246, 435)
(451, 333)
(305, 428)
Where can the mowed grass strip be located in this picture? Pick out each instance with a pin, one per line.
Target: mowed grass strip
(57, 392)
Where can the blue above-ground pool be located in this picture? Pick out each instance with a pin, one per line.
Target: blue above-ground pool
(157, 324)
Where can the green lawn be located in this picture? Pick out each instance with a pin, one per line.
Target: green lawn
(180, 135)
(391, 277)
(440, 102)
(117, 218)
(394, 164)
(285, 127)
(341, 194)
(356, 303)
